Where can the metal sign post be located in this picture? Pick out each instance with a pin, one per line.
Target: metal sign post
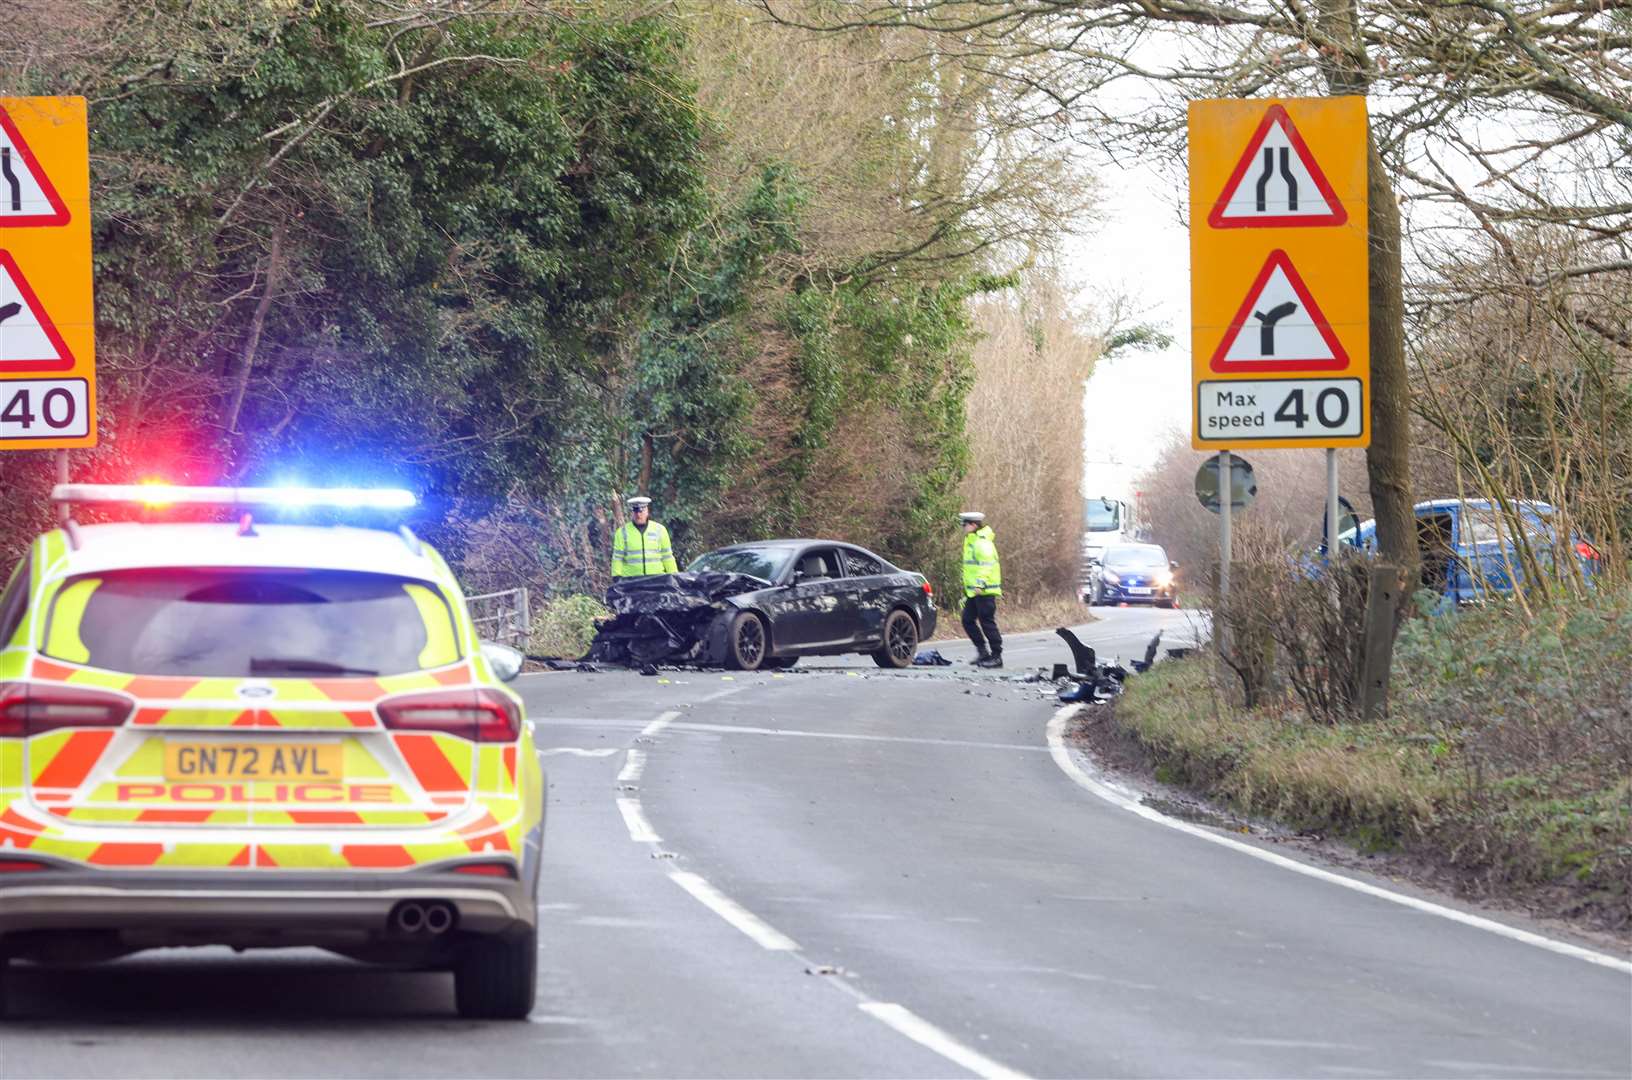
(1331, 504)
(1226, 497)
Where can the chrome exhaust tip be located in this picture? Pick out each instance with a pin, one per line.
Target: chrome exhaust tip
(408, 917)
(439, 917)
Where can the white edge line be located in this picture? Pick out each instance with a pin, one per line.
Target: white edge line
(663, 721)
(925, 1034)
(1062, 758)
(640, 830)
(764, 935)
(634, 764)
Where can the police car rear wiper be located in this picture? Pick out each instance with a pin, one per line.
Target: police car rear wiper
(266, 665)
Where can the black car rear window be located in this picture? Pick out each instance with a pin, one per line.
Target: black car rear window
(238, 623)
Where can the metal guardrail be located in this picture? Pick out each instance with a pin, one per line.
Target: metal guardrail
(504, 617)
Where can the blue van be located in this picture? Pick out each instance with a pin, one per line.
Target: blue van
(1467, 547)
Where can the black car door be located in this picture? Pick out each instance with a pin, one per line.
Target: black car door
(866, 597)
(812, 617)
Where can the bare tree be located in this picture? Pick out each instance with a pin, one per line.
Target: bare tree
(1501, 107)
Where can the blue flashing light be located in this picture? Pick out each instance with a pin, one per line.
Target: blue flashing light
(291, 495)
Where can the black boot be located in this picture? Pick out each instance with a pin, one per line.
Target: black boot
(981, 656)
(993, 660)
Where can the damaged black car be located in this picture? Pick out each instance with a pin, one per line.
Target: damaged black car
(765, 605)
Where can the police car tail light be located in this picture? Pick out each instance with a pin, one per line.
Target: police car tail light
(31, 708)
(477, 715)
(488, 869)
(8, 866)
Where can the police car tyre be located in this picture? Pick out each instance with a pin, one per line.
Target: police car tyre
(495, 978)
(747, 642)
(900, 641)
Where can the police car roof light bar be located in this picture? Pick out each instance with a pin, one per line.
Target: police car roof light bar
(161, 495)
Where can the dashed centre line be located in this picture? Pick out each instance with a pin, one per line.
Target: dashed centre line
(634, 819)
(663, 721)
(927, 1035)
(763, 933)
(634, 764)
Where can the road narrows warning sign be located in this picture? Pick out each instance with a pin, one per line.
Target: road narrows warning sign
(48, 398)
(28, 199)
(29, 340)
(1277, 182)
(1279, 326)
(1280, 352)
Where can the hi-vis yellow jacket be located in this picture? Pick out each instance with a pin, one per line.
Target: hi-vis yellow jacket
(636, 553)
(982, 573)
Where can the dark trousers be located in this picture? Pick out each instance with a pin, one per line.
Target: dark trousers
(980, 615)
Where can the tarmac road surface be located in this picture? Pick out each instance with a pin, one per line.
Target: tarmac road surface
(839, 871)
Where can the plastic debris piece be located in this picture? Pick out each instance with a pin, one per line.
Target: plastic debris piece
(648, 669)
(1082, 655)
(931, 658)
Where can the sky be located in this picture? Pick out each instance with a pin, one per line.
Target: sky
(1135, 401)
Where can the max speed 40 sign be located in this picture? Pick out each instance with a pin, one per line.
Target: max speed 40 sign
(1279, 299)
(47, 322)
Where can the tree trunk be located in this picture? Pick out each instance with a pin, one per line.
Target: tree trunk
(246, 360)
(1388, 459)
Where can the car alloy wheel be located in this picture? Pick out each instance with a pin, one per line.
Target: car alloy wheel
(900, 641)
(747, 642)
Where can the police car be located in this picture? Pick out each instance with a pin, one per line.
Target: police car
(262, 735)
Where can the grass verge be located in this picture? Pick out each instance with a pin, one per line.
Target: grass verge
(1506, 758)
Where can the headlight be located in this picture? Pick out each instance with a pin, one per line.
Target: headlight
(1111, 578)
(1164, 579)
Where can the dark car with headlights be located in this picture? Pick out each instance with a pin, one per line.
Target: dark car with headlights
(1135, 574)
(819, 598)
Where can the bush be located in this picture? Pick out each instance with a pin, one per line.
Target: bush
(565, 625)
(1506, 753)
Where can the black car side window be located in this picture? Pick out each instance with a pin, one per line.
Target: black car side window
(822, 563)
(860, 564)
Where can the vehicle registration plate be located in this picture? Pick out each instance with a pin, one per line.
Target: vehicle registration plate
(1138, 590)
(252, 761)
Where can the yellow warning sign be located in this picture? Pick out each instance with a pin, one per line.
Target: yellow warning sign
(47, 315)
(1278, 260)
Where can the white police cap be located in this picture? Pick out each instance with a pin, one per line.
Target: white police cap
(974, 516)
(639, 502)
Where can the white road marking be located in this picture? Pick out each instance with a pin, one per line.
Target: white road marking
(1063, 758)
(634, 819)
(764, 935)
(634, 764)
(925, 1034)
(574, 751)
(663, 721)
(735, 729)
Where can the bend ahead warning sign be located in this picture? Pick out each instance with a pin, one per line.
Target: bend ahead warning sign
(47, 321)
(1279, 300)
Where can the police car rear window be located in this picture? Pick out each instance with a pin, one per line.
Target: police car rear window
(241, 623)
